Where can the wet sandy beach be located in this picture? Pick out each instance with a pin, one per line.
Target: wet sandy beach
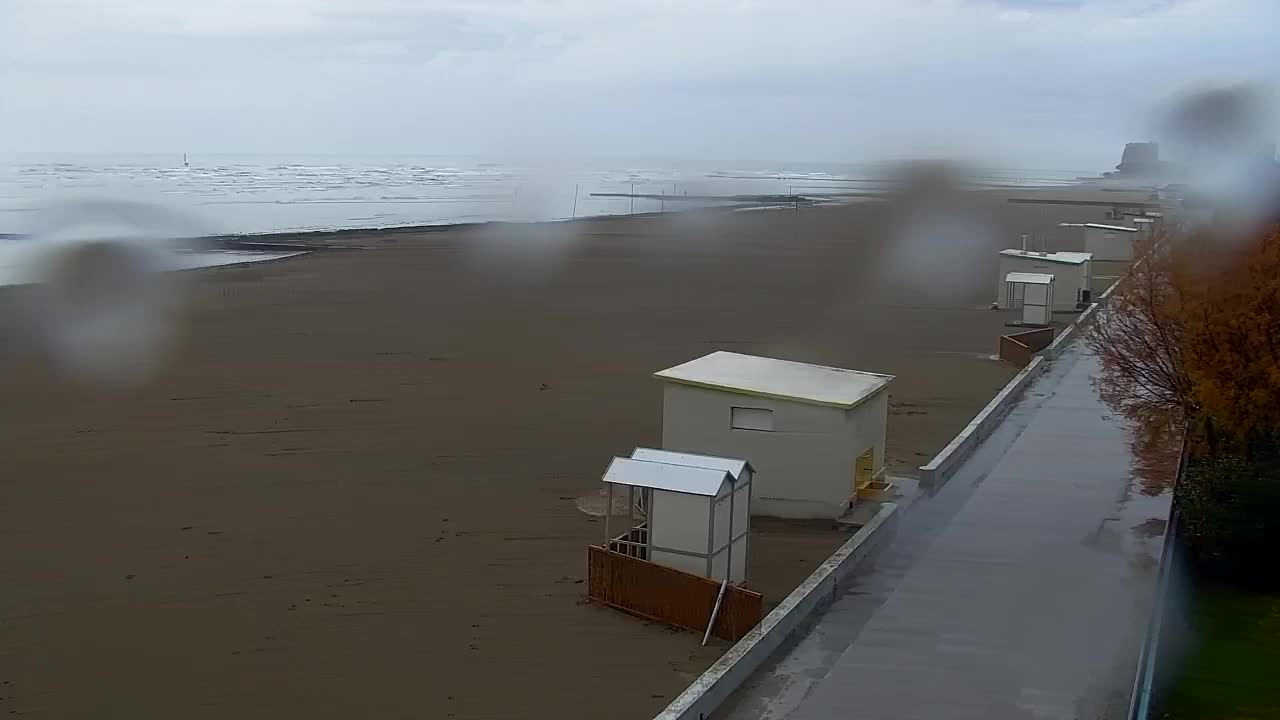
(351, 491)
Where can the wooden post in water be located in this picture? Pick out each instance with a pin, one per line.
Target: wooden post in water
(795, 230)
(575, 201)
(633, 198)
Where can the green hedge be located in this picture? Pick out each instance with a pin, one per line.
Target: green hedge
(1231, 672)
(1230, 510)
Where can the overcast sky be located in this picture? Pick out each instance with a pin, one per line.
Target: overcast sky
(1029, 83)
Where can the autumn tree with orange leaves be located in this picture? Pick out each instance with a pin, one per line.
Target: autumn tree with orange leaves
(1193, 336)
(1140, 339)
(1232, 344)
(1192, 339)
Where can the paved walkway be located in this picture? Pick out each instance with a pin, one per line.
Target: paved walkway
(1019, 591)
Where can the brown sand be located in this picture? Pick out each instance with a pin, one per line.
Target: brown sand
(351, 492)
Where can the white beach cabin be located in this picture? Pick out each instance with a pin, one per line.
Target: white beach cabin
(1072, 273)
(694, 512)
(1107, 243)
(1032, 293)
(815, 435)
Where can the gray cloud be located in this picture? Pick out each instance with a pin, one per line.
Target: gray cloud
(1054, 82)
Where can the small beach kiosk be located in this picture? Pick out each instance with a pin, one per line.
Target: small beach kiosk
(1071, 271)
(679, 553)
(687, 512)
(815, 435)
(1107, 243)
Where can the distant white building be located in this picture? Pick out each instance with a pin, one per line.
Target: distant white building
(1072, 272)
(814, 434)
(1107, 243)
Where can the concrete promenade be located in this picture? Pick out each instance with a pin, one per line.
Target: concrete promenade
(1021, 589)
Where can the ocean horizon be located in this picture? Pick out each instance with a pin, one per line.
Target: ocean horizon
(223, 194)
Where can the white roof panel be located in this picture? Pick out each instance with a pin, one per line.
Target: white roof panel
(783, 379)
(1100, 226)
(1077, 258)
(1073, 258)
(665, 476)
(1144, 220)
(1029, 278)
(732, 466)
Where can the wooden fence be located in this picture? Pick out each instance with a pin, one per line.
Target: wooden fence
(666, 595)
(1019, 348)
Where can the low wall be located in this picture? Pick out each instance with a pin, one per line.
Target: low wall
(941, 467)
(1018, 348)
(826, 583)
(666, 595)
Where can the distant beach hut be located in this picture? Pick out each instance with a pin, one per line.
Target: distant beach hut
(1032, 293)
(1107, 243)
(1146, 226)
(1072, 273)
(815, 434)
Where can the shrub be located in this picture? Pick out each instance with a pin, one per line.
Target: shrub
(1230, 514)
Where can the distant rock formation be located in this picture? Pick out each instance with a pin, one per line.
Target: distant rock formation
(1140, 158)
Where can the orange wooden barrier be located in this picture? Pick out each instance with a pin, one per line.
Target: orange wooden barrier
(1019, 348)
(665, 595)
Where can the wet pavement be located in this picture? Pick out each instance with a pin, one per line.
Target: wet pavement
(1020, 589)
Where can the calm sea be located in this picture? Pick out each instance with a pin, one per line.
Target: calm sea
(263, 194)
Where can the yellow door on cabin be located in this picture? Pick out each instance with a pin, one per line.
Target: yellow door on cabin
(863, 470)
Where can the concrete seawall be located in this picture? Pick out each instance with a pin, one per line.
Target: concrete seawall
(962, 446)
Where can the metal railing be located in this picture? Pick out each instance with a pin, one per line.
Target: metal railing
(1144, 682)
(632, 543)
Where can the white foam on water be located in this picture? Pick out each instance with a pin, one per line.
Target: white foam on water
(219, 258)
(12, 271)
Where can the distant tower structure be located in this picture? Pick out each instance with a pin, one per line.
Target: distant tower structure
(1139, 158)
(185, 164)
